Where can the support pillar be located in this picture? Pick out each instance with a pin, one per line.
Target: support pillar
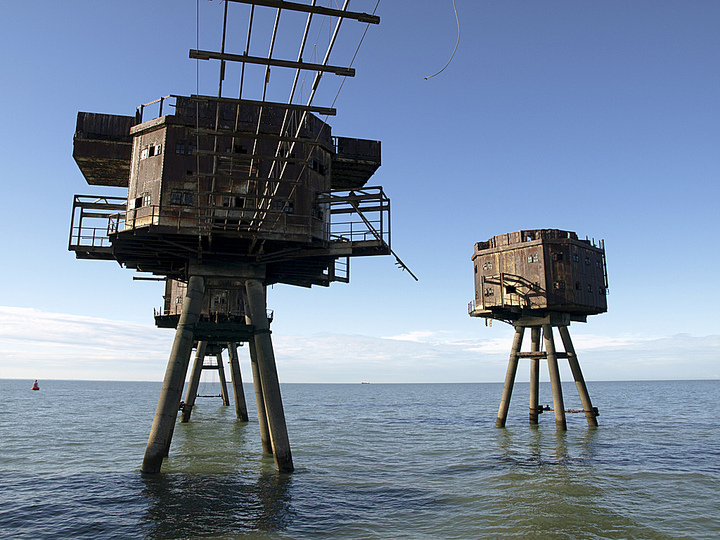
(534, 374)
(260, 399)
(510, 377)
(223, 382)
(236, 380)
(257, 303)
(160, 437)
(590, 413)
(558, 403)
(257, 385)
(194, 382)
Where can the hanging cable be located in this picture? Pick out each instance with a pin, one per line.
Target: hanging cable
(457, 20)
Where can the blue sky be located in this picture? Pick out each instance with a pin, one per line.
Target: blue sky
(601, 118)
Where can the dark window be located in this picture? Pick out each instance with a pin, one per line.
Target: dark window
(578, 286)
(557, 257)
(184, 198)
(560, 285)
(184, 148)
(283, 206)
(589, 287)
(233, 202)
(510, 289)
(317, 166)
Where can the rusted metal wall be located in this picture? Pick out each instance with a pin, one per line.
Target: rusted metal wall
(216, 304)
(102, 146)
(544, 269)
(237, 175)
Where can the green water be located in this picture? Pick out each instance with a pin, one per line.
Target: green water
(373, 461)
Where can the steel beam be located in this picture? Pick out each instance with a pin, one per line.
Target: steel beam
(305, 8)
(161, 432)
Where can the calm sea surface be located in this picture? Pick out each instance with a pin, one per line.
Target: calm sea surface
(373, 461)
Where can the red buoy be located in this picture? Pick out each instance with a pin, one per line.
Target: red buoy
(35, 386)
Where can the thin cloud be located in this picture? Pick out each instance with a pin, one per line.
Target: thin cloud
(36, 344)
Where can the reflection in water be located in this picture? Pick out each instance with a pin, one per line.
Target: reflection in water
(539, 447)
(192, 505)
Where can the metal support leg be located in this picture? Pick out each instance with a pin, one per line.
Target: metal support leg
(590, 414)
(558, 403)
(260, 400)
(167, 409)
(223, 382)
(257, 385)
(510, 377)
(236, 379)
(194, 382)
(268, 376)
(534, 375)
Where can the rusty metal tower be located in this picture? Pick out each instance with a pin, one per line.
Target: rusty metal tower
(230, 194)
(540, 279)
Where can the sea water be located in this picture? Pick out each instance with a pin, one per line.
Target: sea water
(415, 461)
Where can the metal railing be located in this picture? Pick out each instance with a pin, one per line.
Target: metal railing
(357, 216)
(94, 219)
(364, 215)
(141, 108)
